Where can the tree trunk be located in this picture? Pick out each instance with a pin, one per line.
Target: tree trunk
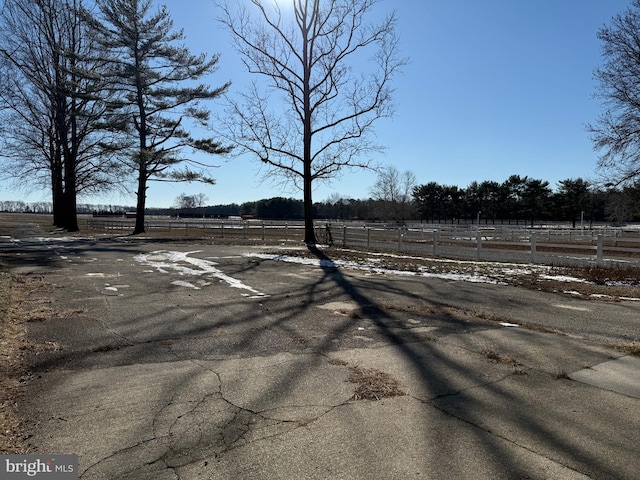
(142, 198)
(309, 232)
(70, 218)
(57, 192)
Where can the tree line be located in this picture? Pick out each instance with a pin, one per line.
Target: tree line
(517, 200)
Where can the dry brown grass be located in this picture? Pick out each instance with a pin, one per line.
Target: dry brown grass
(12, 341)
(630, 348)
(338, 362)
(372, 384)
(606, 275)
(496, 357)
(22, 299)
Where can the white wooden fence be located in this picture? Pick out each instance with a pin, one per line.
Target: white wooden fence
(550, 245)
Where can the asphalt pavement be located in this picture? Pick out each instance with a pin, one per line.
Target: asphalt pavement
(187, 360)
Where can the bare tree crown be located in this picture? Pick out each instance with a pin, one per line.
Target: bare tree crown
(308, 57)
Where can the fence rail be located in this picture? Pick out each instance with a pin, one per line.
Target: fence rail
(559, 246)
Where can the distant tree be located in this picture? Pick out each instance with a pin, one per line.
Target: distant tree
(331, 110)
(184, 201)
(489, 194)
(514, 189)
(617, 131)
(279, 208)
(394, 188)
(473, 199)
(535, 197)
(248, 208)
(158, 94)
(428, 199)
(573, 198)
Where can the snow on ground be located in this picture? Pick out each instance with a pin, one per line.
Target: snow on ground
(457, 270)
(372, 268)
(166, 261)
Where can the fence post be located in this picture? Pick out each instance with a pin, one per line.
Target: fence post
(244, 230)
(479, 244)
(533, 247)
(436, 234)
(286, 232)
(344, 236)
(222, 229)
(368, 237)
(263, 227)
(399, 239)
(599, 251)
(186, 229)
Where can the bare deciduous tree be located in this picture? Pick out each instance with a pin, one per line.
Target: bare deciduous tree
(325, 113)
(395, 190)
(617, 131)
(52, 93)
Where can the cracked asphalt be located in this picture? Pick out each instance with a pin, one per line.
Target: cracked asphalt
(170, 360)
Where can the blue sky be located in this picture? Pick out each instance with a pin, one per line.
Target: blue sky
(493, 88)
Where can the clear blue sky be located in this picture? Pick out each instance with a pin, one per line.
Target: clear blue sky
(493, 88)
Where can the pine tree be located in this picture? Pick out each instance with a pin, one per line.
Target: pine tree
(155, 76)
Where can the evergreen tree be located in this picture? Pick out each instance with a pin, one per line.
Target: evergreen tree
(155, 77)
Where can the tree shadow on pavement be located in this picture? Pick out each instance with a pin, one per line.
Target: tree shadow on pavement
(216, 330)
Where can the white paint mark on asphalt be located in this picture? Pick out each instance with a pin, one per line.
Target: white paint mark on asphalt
(182, 283)
(164, 261)
(571, 307)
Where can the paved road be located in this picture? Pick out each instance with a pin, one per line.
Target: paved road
(190, 361)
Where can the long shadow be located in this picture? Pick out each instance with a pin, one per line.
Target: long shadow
(413, 350)
(259, 318)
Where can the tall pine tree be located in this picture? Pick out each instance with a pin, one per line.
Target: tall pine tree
(159, 99)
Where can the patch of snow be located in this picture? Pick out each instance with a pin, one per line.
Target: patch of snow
(95, 274)
(371, 269)
(564, 278)
(507, 324)
(164, 261)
